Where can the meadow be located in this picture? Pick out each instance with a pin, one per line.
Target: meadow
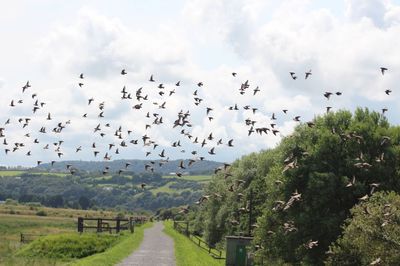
(198, 178)
(11, 173)
(12, 225)
(4, 173)
(17, 218)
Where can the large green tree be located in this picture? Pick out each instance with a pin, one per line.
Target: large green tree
(303, 189)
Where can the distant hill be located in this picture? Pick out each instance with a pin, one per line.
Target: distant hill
(204, 167)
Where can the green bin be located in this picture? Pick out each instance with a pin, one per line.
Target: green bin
(236, 251)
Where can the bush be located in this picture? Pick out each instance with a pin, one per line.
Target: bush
(33, 204)
(41, 213)
(64, 246)
(120, 215)
(372, 234)
(11, 202)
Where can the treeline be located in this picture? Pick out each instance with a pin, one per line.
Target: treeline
(200, 167)
(86, 191)
(319, 197)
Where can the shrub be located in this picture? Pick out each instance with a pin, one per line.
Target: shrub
(33, 204)
(120, 215)
(11, 202)
(41, 213)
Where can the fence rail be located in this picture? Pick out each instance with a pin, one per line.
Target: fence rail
(183, 228)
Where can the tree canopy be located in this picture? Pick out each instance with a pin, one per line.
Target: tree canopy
(371, 235)
(302, 190)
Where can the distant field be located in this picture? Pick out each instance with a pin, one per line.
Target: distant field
(18, 173)
(47, 173)
(200, 178)
(166, 189)
(11, 173)
(108, 177)
(20, 209)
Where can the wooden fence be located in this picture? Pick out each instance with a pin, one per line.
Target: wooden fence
(100, 224)
(109, 224)
(183, 228)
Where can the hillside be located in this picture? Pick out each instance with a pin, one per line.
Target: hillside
(204, 167)
(95, 190)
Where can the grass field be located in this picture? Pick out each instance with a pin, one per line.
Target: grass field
(12, 225)
(47, 173)
(5, 173)
(16, 219)
(188, 253)
(11, 173)
(167, 189)
(20, 209)
(199, 178)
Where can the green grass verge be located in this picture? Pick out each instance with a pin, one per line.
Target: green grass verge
(188, 253)
(117, 253)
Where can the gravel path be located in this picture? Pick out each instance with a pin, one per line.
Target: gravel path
(157, 249)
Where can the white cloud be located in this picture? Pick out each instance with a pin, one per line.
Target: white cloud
(370, 9)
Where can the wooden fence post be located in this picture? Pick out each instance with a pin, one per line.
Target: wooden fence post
(80, 224)
(131, 225)
(118, 225)
(99, 226)
(187, 228)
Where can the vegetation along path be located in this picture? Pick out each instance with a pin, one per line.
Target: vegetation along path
(156, 249)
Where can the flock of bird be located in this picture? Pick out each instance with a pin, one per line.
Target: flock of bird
(124, 136)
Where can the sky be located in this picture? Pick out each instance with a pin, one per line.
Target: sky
(49, 43)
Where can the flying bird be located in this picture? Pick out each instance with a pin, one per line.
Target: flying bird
(308, 74)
